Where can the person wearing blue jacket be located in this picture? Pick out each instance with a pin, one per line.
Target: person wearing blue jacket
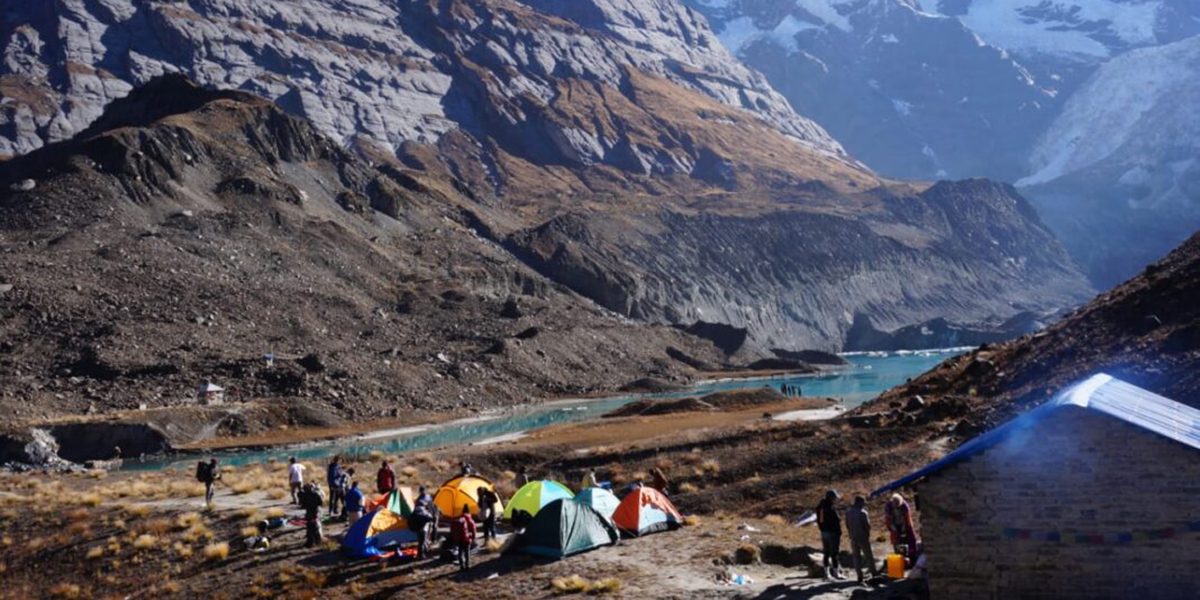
(354, 503)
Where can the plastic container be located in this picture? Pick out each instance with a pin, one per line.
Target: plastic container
(895, 566)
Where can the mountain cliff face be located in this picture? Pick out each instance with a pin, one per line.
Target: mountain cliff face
(964, 88)
(613, 145)
(1117, 176)
(1145, 331)
(187, 234)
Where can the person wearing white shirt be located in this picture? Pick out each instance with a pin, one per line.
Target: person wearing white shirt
(295, 478)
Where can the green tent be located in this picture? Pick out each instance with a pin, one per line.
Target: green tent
(564, 527)
(534, 495)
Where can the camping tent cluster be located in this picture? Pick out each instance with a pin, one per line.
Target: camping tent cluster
(556, 522)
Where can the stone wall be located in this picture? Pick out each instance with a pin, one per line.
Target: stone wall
(1075, 471)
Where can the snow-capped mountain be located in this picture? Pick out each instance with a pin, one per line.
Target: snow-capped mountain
(1117, 175)
(1085, 102)
(1087, 30)
(910, 93)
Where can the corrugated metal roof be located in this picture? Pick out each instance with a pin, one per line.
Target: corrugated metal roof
(1101, 393)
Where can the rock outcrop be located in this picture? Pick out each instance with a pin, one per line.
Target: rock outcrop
(191, 236)
(613, 145)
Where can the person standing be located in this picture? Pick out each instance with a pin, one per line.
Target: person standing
(295, 478)
(208, 474)
(311, 501)
(897, 517)
(462, 535)
(831, 533)
(422, 517)
(658, 480)
(858, 527)
(487, 512)
(333, 477)
(385, 479)
(354, 503)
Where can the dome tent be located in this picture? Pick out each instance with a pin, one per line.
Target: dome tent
(564, 527)
(462, 490)
(399, 501)
(535, 495)
(376, 534)
(646, 510)
(604, 501)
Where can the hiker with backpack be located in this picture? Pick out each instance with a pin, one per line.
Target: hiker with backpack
(462, 535)
(208, 474)
(311, 500)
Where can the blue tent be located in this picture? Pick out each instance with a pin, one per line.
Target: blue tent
(604, 501)
(379, 532)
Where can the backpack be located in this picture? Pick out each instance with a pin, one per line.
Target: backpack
(201, 471)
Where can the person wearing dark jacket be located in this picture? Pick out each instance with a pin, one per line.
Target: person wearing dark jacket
(208, 474)
(831, 533)
(311, 501)
(858, 527)
(462, 535)
(487, 512)
(337, 490)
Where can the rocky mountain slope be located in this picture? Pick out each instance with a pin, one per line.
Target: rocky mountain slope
(613, 145)
(963, 88)
(1118, 173)
(1146, 331)
(187, 234)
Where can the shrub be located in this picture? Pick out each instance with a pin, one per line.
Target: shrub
(216, 552)
(747, 554)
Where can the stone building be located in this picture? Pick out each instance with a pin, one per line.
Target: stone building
(1094, 495)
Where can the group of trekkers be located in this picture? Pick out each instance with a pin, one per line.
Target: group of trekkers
(897, 518)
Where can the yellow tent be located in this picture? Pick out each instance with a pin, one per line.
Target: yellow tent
(460, 491)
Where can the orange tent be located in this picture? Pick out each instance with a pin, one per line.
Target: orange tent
(463, 490)
(646, 510)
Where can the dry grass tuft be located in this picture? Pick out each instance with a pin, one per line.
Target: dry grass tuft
(492, 546)
(216, 552)
(90, 499)
(66, 591)
(570, 585)
(409, 471)
(276, 512)
(691, 520)
(95, 553)
(775, 520)
(145, 542)
(611, 585)
(277, 494)
(711, 466)
(687, 487)
(187, 520)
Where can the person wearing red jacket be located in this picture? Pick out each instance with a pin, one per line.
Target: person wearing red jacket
(385, 480)
(462, 535)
